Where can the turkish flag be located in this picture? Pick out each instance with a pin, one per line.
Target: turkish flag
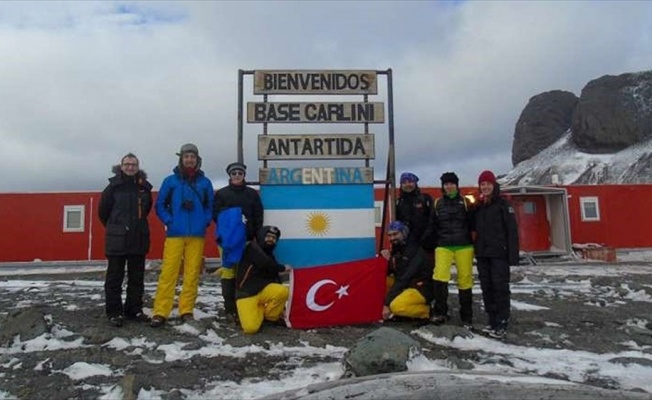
(337, 294)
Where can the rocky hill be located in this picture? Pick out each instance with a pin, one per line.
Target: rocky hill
(604, 136)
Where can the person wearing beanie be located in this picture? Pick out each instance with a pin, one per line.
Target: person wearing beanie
(496, 248)
(409, 291)
(413, 208)
(124, 206)
(184, 205)
(451, 223)
(238, 215)
(260, 294)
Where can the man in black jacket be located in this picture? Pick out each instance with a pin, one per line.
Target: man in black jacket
(260, 294)
(123, 210)
(236, 194)
(408, 282)
(413, 208)
(496, 248)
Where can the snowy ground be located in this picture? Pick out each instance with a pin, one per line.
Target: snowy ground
(582, 322)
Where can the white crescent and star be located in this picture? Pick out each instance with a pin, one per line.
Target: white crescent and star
(312, 304)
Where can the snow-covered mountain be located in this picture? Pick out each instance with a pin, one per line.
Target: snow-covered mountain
(563, 163)
(603, 136)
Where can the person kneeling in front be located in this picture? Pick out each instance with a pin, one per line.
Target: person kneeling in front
(260, 295)
(409, 290)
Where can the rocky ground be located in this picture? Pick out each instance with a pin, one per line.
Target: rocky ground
(605, 312)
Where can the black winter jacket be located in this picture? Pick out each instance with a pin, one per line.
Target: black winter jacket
(413, 209)
(256, 270)
(411, 269)
(123, 210)
(496, 229)
(244, 197)
(451, 221)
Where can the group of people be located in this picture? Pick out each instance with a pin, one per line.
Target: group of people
(186, 204)
(426, 238)
(429, 235)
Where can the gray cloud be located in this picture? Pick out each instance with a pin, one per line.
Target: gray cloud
(84, 83)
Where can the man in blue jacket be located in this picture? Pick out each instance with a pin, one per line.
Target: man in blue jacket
(184, 205)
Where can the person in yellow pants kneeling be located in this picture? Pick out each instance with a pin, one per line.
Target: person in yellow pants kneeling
(409, 289)
(260, 296)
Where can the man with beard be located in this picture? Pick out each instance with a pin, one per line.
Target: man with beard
(409, 288)
(259, 292)
(184, 205)
(123, 210)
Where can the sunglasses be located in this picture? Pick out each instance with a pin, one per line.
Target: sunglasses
(236, 173)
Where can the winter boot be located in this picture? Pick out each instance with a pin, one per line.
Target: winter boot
(466, 307)
(440, 306)
(228, 294)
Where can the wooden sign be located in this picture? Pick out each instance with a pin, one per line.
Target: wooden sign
(316, 147)
(315, 82)
(344, 112)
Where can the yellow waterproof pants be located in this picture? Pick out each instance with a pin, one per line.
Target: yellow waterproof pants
(464, 262)
(268, 305)
(411, 304)
(190, 250)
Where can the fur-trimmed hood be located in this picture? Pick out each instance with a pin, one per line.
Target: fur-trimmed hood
(118, 178)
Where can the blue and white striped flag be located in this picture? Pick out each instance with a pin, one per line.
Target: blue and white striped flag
(321, 224)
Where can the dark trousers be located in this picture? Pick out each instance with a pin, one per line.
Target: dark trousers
(494, 277)
(115, 273)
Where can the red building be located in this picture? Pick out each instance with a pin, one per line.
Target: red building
(65, 226)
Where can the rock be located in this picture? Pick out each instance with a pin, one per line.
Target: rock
(26, 323)
(613, 113)
(543, 121)
(128, 389)
(381, 351)
(632, 360)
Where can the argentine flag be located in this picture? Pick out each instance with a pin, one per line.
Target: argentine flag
(321, 224)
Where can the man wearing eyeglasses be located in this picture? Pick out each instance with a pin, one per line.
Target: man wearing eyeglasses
(238, 215)
(123, 210)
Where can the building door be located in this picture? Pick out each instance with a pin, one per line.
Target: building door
(533, 225)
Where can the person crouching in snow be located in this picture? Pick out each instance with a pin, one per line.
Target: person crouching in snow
(259, 293)
(496, 248)
(409, 288)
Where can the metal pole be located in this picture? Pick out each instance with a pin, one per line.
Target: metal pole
(391, 160)
(240, 117)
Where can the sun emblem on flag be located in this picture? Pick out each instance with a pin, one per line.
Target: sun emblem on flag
(318, 223)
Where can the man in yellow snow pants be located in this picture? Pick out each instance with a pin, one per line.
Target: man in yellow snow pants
(184, 204)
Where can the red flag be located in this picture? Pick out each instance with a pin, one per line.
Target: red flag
(337, 294)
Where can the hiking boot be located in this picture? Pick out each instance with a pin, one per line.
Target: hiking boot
(487, 330)
(498, 333)
(438, 319)
(138, 317)
(116, 321)
(468, 325)
(157, 321)
(187, 318)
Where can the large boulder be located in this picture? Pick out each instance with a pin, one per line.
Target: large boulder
(381, 351)
(543, 121)
(613, 113)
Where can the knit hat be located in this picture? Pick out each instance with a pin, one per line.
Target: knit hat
(236, 166)
(487, 176)
(188, 148)
(398, 226)
(409, 177)
(449, 177)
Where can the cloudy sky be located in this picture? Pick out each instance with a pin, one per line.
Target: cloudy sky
(82, 83)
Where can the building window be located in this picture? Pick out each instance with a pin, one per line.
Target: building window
(378, 213)
(73, 218)
(590, 208)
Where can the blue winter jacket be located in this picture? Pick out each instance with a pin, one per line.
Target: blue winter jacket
(185, 207)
